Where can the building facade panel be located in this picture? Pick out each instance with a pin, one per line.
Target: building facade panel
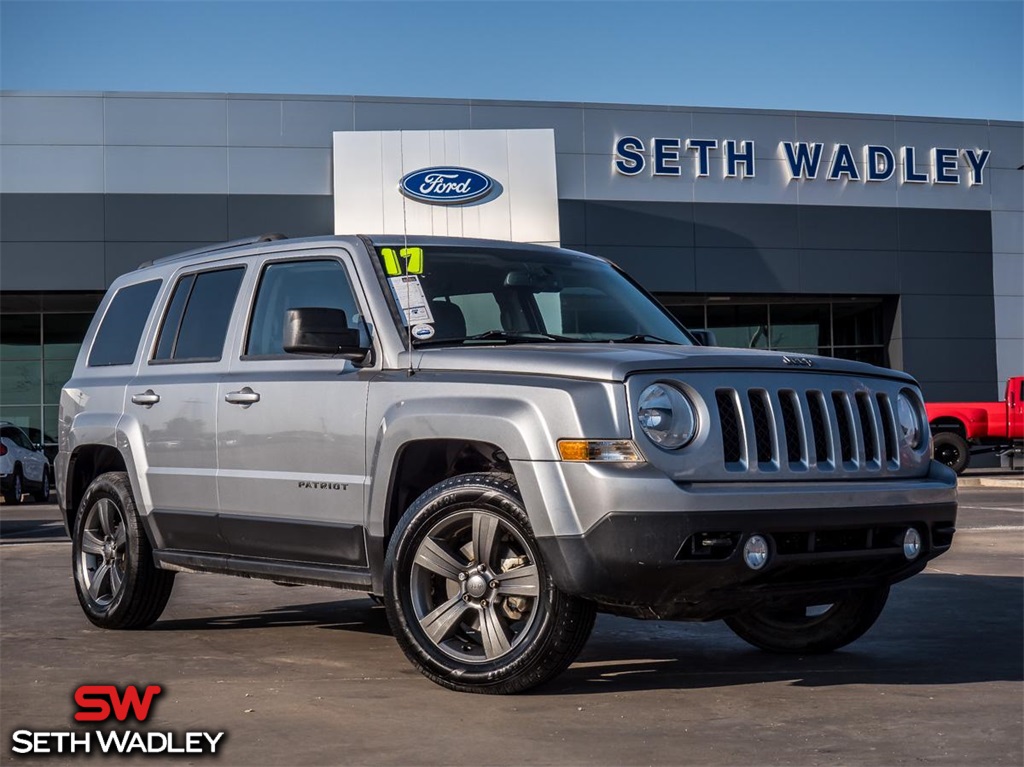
(165, 122)
(51, 217)
(49, 120)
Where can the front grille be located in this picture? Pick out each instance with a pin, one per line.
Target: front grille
(816, 429)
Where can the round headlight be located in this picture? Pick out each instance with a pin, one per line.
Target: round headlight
(667, 416)
(910, 420)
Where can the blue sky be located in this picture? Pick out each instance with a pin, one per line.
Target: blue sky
(949, 59)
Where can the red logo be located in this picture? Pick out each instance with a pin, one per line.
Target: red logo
(98, 701)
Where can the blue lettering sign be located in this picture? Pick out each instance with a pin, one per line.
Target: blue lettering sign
(944, 161)
(803, 162)
(629, 160)
(734, 158)
(876, 172)
(702, 146)
(663, 151)
(977, 160)
(843, 164)
(910, 173)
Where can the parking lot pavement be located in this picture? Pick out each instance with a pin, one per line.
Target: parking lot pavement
(312, 676)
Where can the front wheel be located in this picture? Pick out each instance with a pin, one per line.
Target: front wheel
(812, 629)
(118, 585)
(468, 596)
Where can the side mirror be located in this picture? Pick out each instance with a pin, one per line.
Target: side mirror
(321, 331)
(705, 337)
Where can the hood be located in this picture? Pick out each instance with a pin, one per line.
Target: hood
(615, 362)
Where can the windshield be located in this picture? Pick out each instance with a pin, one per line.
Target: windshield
(469, 296)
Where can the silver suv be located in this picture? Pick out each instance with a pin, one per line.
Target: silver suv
(496, 440)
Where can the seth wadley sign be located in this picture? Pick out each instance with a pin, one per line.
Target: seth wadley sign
(803, 160)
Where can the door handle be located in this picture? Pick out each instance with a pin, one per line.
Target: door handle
(244, 397)
(147, 399)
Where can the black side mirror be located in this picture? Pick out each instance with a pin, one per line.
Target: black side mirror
(321, 331)
(705, 337)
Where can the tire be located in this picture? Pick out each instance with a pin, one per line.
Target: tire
(130, 593)
(950, 448)
(42, 495)
(501, 629)
(804, 630)
(17, 489)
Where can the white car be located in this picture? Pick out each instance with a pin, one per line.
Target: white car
(23, 466)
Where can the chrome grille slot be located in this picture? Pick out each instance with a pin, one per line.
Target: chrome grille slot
(868, 429)
(732, 429)
(791, 424)
(888, 419)
(841, 403)
(819, 426)
(764, 431)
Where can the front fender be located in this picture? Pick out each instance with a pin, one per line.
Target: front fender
(525, 422)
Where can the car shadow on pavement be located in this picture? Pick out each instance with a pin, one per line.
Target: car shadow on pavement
(357, 615)
(939, 630)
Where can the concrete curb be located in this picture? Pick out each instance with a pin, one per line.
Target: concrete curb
(1004, 482)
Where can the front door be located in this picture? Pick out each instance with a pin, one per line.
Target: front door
(291, 428)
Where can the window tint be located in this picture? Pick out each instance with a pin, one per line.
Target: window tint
(118, 337)
(295, 285)
(197, 319)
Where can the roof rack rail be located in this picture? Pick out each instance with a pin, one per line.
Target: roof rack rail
(270, 237)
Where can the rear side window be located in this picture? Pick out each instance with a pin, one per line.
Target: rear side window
(119, 333)
(196, 324)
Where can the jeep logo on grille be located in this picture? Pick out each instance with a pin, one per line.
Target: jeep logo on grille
(446, 186)
(804, 362)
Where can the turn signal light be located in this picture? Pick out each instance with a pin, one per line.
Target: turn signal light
(599, 450)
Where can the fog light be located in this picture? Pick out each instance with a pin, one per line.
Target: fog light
(911, 544)
(755, 552)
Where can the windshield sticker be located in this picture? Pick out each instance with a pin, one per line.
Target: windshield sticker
(423, 331)
(411, 258)
(411, 299)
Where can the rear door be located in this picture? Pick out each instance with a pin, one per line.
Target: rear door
(174, 400)
(292, 428)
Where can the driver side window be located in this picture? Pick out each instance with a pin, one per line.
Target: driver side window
(295, 285)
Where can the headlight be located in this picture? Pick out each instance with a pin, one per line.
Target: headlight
(910, 420)
(667, 416)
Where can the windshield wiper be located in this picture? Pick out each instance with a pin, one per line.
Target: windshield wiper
(641, 338)
(509, 336)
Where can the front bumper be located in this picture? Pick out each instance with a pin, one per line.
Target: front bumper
(660, 564)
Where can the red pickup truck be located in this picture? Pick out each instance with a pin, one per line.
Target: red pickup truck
(962, 428)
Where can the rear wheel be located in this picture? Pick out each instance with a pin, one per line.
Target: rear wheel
(951, 449)
(811, 629)
(468, 596)
(17, 489)
(118, 585)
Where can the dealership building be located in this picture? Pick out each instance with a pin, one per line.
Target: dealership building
(894, 240)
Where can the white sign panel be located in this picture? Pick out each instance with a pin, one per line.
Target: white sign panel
(496, 184)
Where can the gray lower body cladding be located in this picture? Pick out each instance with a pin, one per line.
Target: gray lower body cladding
(689, 565)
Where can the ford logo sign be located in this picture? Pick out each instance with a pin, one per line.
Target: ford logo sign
(446, 185)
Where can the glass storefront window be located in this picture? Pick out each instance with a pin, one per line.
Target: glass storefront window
(744, 326)
(63, 334)
(19, 337)
(851, 328)
(37, 354)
